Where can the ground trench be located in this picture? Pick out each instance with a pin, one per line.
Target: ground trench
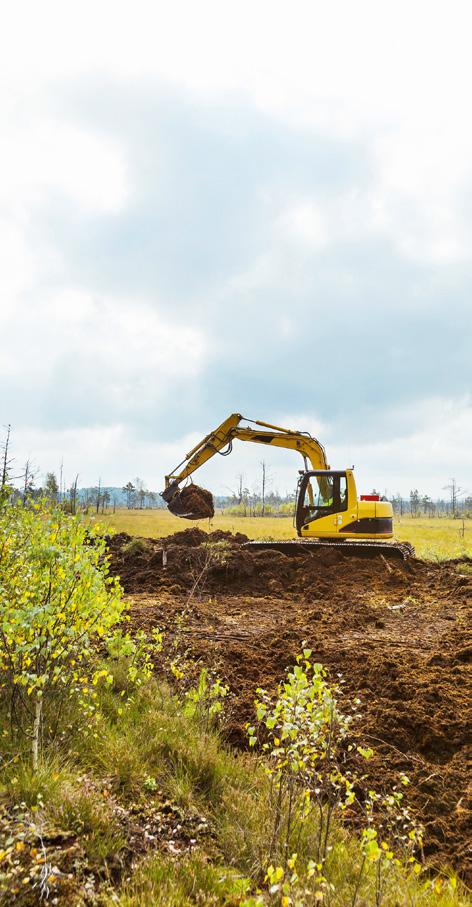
(399, 633)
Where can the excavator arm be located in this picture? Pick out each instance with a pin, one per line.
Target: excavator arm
(222, 437)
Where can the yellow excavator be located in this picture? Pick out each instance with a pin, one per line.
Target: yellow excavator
(328, 511)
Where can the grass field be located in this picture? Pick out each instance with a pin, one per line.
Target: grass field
(433, 538)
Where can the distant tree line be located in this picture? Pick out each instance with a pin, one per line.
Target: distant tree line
(259, 500)
(457, 503)
(22, 483)
(138, 497)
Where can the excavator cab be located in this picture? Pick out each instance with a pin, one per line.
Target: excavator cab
(320, 493)
(328, 507)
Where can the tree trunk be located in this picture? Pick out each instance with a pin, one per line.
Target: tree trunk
(263, 487)
(38, 710)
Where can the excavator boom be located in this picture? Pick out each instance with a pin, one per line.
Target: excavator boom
(222, 437)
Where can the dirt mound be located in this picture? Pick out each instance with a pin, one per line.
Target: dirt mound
(192, 538)
(193, 503)
(400, 634)
(188, 538)
(231, 568)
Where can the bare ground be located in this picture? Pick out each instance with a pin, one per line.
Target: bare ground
(399, 633)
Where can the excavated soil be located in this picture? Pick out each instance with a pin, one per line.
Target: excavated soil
(398, 632)
(193, 502)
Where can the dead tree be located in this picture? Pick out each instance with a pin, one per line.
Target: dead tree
(73, 495)
(266, 480)
(140, 492)
(28, 477)
(6, 460)
(455, 493)
(61, 482)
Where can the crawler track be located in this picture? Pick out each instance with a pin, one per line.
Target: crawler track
(360, 548)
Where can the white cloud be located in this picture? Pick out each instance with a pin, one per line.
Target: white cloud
(434, 445)
(74, 339)
(302, 231)
(40, 157)
(332, 66)
(304, 224)
(421, 175)
(18, 265)
(394, 82)
(287, 328)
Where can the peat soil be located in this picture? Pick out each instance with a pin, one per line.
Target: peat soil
(398, 632)
(193, 503)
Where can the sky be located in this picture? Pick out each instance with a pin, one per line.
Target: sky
(253, 207)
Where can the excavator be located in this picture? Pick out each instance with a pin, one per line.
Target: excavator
(328, 511)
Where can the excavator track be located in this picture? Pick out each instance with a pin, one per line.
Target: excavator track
(361, 548)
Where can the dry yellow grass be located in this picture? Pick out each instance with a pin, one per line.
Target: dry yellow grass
(436, 538)
(433, 538)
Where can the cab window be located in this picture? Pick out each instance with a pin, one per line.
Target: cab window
(322, 492)
(324, 495)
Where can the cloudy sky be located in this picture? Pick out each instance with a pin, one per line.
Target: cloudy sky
(259, 207)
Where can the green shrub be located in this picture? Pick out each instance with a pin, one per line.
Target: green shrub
(57, 602)
(135, 546)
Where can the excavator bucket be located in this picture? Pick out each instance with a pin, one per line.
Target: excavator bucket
(191, 503)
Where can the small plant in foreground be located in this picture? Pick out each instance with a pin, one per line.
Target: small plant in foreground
(136, 653)
(305, 742)
(136, 546)
(206, 556)
(390, 839)
(303, 731)
(150, 784)
(205, 701)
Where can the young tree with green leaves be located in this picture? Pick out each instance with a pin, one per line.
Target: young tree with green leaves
(57, 604)
(130, 492)
(51, 488)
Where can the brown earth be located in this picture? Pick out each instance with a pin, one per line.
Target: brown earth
(399, 634)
